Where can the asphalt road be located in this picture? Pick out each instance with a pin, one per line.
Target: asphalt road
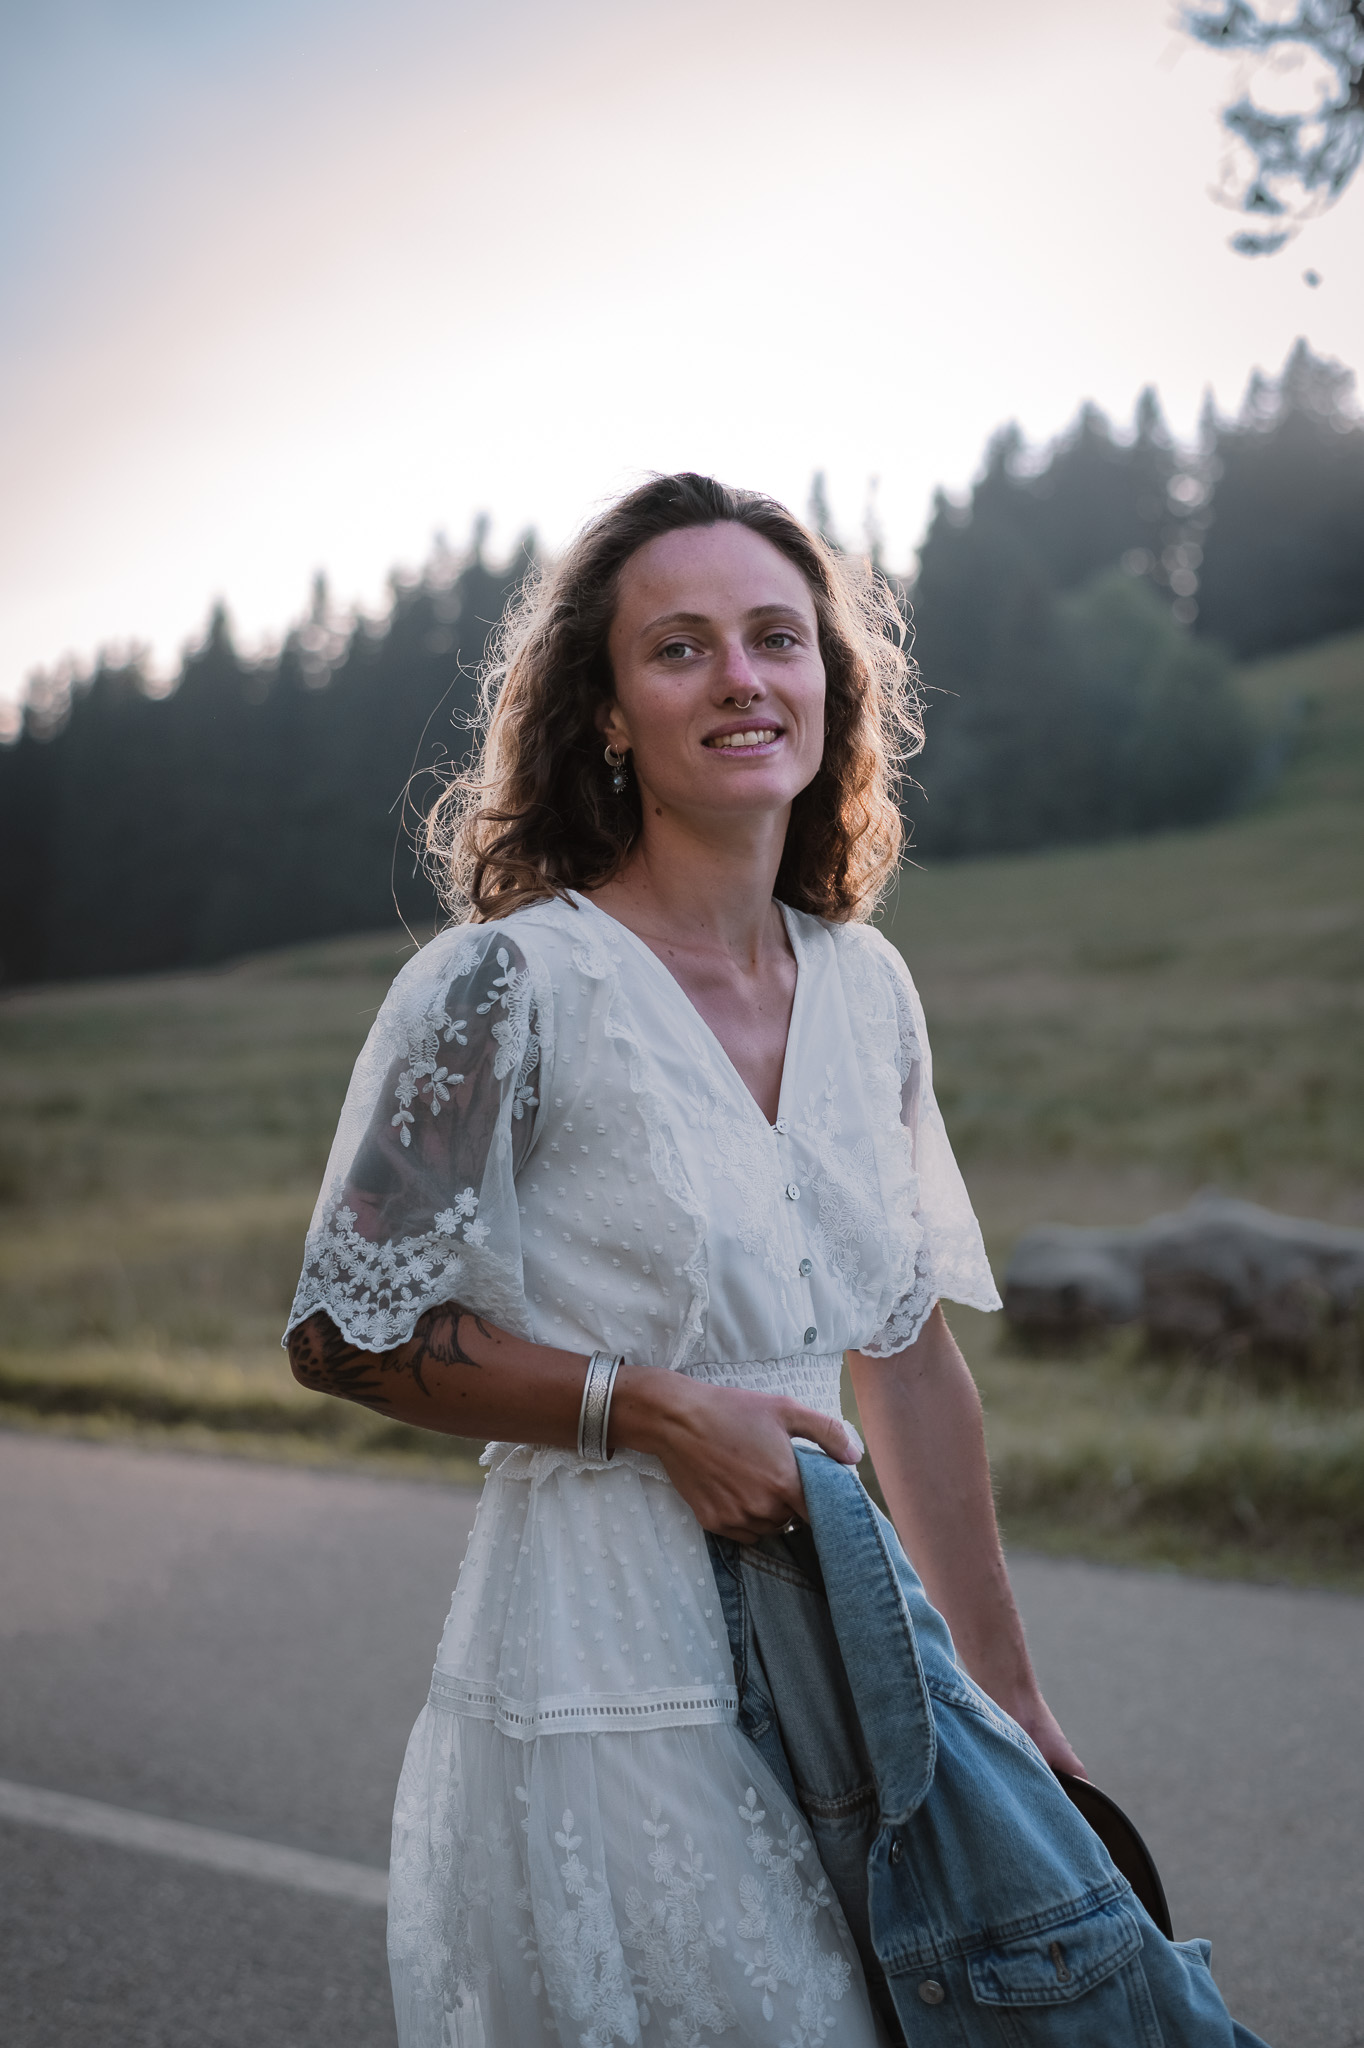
(245, 1647)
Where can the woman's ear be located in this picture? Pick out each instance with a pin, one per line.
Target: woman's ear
(611, 725)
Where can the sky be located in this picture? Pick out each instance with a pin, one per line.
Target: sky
(293, 285)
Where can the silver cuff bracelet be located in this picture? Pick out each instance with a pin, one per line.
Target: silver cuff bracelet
(594, 1416)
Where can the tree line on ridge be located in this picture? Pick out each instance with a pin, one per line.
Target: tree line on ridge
(1076, 622)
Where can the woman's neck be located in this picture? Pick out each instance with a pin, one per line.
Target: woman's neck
(702, 903)
(706, 888)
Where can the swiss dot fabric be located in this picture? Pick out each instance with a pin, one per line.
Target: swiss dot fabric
(542, 1128)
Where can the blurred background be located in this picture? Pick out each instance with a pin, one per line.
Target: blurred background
(321, 324)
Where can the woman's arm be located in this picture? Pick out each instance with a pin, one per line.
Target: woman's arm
(922, 1418)
(728, 1452)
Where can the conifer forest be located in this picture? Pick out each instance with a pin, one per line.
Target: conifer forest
(1077, 623)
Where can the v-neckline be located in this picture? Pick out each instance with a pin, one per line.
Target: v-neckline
(788, 925)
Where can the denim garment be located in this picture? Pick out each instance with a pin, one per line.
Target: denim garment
(986, 1911)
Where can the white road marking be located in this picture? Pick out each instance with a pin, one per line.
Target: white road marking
(239, 1855)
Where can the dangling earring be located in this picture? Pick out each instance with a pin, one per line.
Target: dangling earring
(616, 763)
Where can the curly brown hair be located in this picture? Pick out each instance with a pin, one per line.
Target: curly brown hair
(534, 814)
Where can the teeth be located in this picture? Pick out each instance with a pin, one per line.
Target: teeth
(744, 739)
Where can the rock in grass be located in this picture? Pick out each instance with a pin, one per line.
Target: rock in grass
(1220, 1276)
(1223, 1272)
(1066, 1279)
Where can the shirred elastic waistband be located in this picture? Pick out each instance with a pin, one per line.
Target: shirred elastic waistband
(710, 1368)
(814, 1378)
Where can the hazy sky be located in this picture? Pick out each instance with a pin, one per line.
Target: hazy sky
(290, 285)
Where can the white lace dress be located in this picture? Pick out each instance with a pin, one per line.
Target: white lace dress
(586, 1848)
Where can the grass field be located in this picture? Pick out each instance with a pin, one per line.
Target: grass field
(1114, 1027)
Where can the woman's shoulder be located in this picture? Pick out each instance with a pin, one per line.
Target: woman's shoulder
(857, 945)
(535, 937)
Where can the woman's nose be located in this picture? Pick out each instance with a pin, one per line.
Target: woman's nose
(738, 676)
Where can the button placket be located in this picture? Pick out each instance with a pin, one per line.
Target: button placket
(805, 1266)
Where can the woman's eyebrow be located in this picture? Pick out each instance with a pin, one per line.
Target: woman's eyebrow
(758, 611)
(673, 619)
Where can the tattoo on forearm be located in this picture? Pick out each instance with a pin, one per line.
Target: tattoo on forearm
(325, 1361)
(436, 1339)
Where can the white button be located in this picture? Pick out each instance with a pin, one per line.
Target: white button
(780, 1127)
(792, 1191)
(811, 1334)
(806, 1268)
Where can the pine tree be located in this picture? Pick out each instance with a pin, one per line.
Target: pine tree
(1283, 556)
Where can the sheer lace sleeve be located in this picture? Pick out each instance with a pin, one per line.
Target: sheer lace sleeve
(419, 1202)
(950, 1262)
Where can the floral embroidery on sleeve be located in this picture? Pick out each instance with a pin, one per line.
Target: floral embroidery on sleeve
(462, 1210)
(422, 1076)
(516, 1038)
(420, 1200)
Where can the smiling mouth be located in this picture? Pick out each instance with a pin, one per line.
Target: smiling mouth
(740, 742)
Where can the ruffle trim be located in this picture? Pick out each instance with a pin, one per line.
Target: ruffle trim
(926, 1199)
(535, 1463)
(884, 1059)
(596, 957)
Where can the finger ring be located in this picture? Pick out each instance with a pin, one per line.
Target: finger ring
(790, 1528)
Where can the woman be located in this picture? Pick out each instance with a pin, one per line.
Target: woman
(667, 1098)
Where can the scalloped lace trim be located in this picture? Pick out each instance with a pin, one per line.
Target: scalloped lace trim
(374, 1293)
(906, 1320)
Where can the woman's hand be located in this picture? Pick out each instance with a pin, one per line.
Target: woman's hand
(1036, 1718)
(727, 1451)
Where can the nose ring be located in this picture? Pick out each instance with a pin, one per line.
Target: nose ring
(741, 707)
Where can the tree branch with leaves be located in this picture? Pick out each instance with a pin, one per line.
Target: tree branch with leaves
(1289, 162)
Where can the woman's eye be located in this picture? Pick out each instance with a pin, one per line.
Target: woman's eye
(675, 650)
(780, 639)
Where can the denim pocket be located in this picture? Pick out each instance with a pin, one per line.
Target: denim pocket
(1072, 1984)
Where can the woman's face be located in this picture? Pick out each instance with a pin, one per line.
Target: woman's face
(719, 682)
